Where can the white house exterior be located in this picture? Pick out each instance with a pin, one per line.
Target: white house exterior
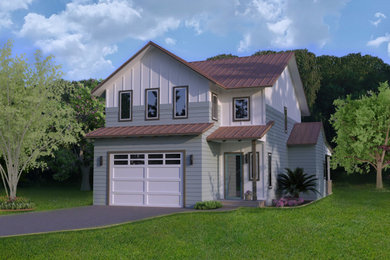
(179, 132)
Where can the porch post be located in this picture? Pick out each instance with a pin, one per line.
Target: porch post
(254, 170)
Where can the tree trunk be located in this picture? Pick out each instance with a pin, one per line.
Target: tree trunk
(379, 183)
(85, 185)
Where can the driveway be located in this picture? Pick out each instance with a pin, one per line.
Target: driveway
(77, 218)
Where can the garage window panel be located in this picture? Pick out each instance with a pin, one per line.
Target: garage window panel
(121, 159)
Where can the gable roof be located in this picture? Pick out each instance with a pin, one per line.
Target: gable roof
(244, 72)
(241, 72)
(304, 133)
(240, 132)
(151, 130)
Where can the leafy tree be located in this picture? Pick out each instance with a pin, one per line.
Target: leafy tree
(222, 56)
(296, 181)
(363, 129)
(33, 121)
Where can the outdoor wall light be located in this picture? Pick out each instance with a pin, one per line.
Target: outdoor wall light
(100, 161)
(191, 159)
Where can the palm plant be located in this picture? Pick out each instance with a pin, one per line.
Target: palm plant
(295, 181)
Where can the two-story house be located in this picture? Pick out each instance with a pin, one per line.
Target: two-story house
(179, 132)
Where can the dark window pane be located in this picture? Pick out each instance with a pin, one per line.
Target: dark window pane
(241, 109)
(152, 103)
(120, 156)
(173, 155)
(269, 169)
(125, 105)
(120, 162)
(215, 107)
(137, 156)
(180, 102)
(155, 161)
(154, 156)
(172, 161)
(136, 162)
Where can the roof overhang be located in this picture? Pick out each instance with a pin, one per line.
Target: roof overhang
(151, 130)
(252, 132)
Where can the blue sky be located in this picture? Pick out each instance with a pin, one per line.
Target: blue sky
(92, 38)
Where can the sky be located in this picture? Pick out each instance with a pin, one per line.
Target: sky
(90, 39)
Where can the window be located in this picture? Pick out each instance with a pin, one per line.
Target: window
(285, 120)
(214, 106)
(269, 170)
(250, 166)
(125, 105)
(121, 159)
(241, 109)
(152, 100)
(180, 102)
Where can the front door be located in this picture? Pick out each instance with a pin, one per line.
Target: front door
(233, 175)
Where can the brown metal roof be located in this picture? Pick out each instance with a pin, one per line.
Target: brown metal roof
(151, 130)
(240, 72)
(305, 133)
(240, 132)
(252, 71)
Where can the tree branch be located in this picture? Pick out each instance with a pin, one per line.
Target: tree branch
(361, 160)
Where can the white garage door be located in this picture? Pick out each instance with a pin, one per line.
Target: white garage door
(146, 179)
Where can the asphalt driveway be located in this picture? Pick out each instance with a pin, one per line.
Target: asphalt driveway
(77, 218)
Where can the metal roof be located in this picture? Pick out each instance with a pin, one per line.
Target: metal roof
(304, 133)
(150, 130)
(240, 132)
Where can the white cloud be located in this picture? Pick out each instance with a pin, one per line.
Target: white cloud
(380, 16)
(86, 33)
(170, 41)
(9, 6)
(379, 41)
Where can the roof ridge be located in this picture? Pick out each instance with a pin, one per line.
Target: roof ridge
(249, 56)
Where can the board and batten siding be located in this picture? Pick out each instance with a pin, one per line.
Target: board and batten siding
(197, 113)
(276, 143)
(156, 69)
(282, 94)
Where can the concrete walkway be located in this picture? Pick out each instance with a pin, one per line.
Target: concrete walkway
(77, 218)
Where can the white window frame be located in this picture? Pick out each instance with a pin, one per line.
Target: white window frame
(120, 105)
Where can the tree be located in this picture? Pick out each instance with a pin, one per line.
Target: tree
(362, 130)
(222, 56)
(33, 121)
(296, 181)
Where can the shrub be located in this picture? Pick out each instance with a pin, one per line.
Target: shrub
(17, 203)
(211, 204)
(295, 181)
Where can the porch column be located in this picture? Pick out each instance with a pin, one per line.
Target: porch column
(254, 170)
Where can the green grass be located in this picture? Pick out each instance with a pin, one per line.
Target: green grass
(54, 196)
(354, 223)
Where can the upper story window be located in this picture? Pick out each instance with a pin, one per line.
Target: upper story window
(125, 105)
(241, 111)
(180, 102)
(152, 103)
(214, 106)
(285, 120)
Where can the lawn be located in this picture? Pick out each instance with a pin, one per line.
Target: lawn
(352, 223)
(54, 196)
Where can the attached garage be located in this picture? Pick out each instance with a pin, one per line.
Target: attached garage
(152, 179)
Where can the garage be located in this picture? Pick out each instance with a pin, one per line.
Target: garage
(146, 179)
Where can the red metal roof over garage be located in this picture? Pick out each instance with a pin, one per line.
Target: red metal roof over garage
(151, 130)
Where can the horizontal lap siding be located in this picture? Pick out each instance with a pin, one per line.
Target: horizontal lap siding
(197, 113)
(191, 145)
(276, 143)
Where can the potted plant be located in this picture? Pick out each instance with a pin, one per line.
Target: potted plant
(248, 195)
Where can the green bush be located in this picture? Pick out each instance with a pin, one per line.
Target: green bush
(211, 204)
(18, 203)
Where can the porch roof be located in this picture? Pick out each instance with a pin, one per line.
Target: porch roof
(240, 132)
(150, 130)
